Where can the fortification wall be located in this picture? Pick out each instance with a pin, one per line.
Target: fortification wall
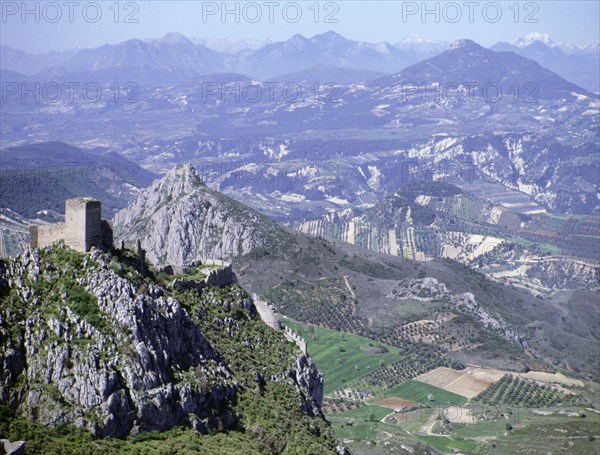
(270, 318)
(295, 338)
(221, 277)
(265, 313)
(49, 234)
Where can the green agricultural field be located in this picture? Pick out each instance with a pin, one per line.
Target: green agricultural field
(348, 361)
(446, 444)
(493, 427)
(362, 431)
(364, 424)
(368, 412)
(342, 357)
(533, 433)
(419, 392)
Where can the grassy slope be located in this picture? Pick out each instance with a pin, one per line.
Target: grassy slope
(337, 366)
(419, 391)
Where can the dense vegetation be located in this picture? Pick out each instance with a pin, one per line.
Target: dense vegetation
(270, 410)
(28, 192)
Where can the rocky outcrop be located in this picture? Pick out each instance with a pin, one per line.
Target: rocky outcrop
(12, 447)
(180, 220)
(306, 376)
(429, 289)
(113, 373)
(86, 340)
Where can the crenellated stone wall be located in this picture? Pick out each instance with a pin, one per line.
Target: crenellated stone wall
(223, 276)
(295, 338)
(270, 318)
(265, 313)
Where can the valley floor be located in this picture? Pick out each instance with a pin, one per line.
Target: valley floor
(475, 410)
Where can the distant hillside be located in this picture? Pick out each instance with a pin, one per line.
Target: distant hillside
(171, 59)
(29, 64)
(179, 220)
(467, 61)
(300, 53)
(311, 288)
(28, 192)
(327, 74)
(429, 220)
(41, 176)
(11, 76)
(582, 68)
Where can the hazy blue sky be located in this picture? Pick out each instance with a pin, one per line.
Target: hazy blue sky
(43, 30)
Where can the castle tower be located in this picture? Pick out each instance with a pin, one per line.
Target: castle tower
(83, 219)
(83, 227)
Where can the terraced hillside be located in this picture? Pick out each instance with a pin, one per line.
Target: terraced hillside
(541, 252)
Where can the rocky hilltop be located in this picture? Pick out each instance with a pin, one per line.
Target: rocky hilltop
(96, 341)
(179, 220)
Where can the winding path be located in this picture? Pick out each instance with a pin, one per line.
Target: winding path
(351, 293)
(430, 422)
(349, 287)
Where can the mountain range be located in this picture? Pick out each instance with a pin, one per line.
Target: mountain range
(507, 117)
(420, 218)
(175, 58)
(580, 65)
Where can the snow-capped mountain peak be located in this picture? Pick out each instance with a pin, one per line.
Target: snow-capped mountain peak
(567, 48)
(382, 48)
(416, 39)
(533, 37)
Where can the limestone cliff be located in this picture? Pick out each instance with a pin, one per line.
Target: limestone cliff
(95, 341)
(179, 220)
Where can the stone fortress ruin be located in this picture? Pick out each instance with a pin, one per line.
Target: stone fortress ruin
(83, 228)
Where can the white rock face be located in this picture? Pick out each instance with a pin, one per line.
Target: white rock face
(180, 220)
(112, 380)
